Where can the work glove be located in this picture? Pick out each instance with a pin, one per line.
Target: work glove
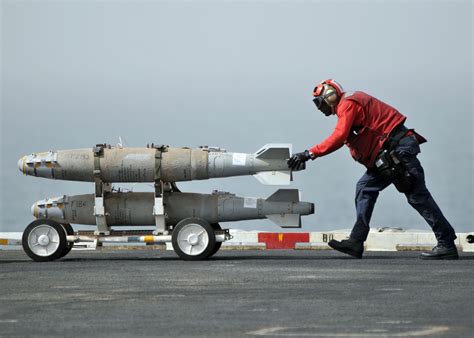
(298, 160)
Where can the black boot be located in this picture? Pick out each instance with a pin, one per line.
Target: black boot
(441, 252)
(348, 246)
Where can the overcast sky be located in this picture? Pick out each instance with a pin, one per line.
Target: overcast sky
(237, 75)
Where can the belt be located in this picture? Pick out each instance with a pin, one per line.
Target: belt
(399, 132)
(396, 135)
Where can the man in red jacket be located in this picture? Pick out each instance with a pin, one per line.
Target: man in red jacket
(377, 138)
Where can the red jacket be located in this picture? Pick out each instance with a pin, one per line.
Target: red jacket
(364, 124)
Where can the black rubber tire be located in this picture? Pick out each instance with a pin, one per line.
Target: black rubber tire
(217, 246)
(69, 232)
(62, 240)
(209, 230)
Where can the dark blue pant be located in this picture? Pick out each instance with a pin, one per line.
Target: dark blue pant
(371, 183)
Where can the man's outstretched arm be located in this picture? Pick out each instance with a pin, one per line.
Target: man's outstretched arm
(348, 113)
(336, 140)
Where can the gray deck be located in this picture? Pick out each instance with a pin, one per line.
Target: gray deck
(237, 293)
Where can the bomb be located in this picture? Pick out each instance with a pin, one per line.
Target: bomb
(135, 208)
(151, 164)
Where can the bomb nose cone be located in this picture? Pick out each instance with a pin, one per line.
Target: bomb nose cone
(21, 164)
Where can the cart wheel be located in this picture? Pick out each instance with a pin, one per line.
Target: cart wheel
(193, 239)
(44, 240)
(217, 246)
(69, 232)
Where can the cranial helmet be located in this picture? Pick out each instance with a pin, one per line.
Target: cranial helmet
(327, 95)
(326, 89)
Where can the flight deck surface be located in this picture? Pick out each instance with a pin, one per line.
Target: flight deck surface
(127, 293)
